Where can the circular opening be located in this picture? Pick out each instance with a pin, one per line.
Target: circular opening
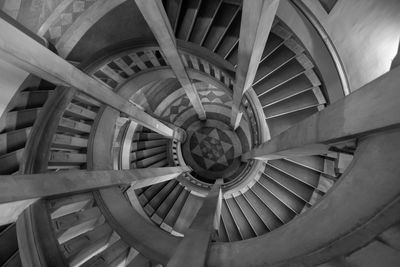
(212, 149)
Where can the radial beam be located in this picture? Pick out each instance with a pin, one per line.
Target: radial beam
(372, 108)
(192, 250)
(256, 23)
(22, 51)
(157, 19)
(29, 186)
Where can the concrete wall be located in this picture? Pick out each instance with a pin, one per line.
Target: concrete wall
(366, 34)
(375, 254)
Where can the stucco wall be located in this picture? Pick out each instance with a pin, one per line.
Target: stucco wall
(366, 34)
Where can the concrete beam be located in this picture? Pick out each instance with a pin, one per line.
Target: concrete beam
(192, 250)
(256, 23)
(370, 109)
(29, 186)
(157, 19)
(19, 49)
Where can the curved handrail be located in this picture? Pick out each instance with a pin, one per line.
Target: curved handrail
(328, 42)
(314, 43)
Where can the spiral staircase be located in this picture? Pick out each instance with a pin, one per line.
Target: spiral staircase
(258, 197)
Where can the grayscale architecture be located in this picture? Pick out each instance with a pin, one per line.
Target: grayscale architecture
(200, 133)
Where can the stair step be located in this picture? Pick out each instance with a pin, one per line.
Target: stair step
(173, 8)
(300, 173)
(274, 204)
(343, 162)
(279, 124)
(64, 158)
(138, 155)
(122, 64)
(31, 99)
(143, 145)
(270, 220)
(159, 164)
(302, 101)
(315, 163)
(189, 11)
(13, 140)
(230, 224)
(167, 204)
(45, 85)
(222, 232)
(245, 229)
(88, 251)
(66, 205)
(76, 248)
(63, 223)
(221, 24)
(292, 88)
(204, 19)
(305, 107)
(281, 32)
(76, 111)
(113, 255)
(249, 212)
(66, 141)
(279, 77)
(9, 163)
(147, 137)
(73, 126)
(146, 195)
(156, 201)
(155, 57)
(291, 200)
(138, 63)
(279, 58)
(298, 84)
(147, 162)
(273, 43)
(325, 184)
(8, 243)
(232, 57)
(72, 225)
(230, 39)
(302, 190)
(20, 119)
(110, 75)
(174, 212)
(188, 213)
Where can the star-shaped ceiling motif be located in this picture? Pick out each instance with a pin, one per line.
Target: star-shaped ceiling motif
(212, 149)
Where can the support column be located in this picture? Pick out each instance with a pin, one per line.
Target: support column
(256, 23)
(21, 50)
(370, 109)
(192, 250)
(29, 186)
(157, 19)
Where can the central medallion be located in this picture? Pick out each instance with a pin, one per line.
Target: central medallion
(212, 149)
